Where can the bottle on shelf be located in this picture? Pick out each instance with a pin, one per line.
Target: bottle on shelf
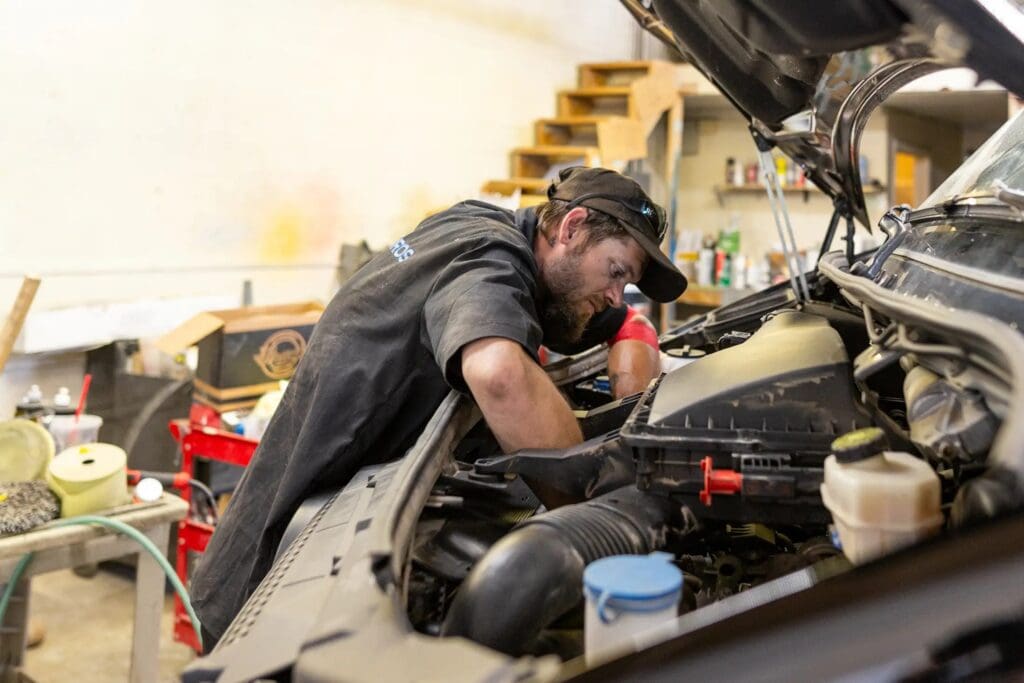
(62, 402)
(31, 404)
(730, 171)
(780, 169)
(751, 173)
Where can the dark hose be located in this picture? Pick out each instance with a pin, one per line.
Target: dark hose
(533, 576)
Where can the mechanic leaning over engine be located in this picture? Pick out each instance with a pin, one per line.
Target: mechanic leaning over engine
(463, 302)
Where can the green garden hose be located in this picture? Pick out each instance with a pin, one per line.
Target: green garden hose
(128, 531)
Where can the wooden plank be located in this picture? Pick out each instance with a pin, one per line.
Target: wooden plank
(510, 185)
(600, 91)
(574, 120)
(604, 73)
(139, 515)
(532, 199)
(702, 296)
(654, 95)
(617, 101)
(618, 66)
(621, 139)
(16, 318)
(534, 162)
(618, 138)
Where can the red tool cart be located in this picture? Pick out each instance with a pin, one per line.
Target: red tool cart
(200, 441)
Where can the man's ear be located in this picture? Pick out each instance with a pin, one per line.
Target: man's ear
(572, 224)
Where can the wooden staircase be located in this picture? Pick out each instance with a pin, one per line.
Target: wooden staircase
(606, 121)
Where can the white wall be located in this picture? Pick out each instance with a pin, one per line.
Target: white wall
(237, 140)
(161, 135)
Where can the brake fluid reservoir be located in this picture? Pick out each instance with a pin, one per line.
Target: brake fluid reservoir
(880, 500)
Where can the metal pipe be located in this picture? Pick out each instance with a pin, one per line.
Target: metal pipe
(651, 23)
(783, 226)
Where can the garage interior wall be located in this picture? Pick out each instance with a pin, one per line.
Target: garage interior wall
(140, 139)
(163, 134)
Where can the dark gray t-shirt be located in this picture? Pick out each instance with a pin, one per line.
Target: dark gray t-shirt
(380, 361)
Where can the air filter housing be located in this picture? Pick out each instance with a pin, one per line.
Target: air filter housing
(766, 410)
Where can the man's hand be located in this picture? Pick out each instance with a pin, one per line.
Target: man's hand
(521, 405)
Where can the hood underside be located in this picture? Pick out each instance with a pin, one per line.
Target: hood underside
(807, 74)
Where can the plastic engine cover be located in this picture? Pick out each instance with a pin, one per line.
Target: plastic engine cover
(766, 411)
(792, 374)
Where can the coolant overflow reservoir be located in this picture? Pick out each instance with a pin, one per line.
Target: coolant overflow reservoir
(880, 500)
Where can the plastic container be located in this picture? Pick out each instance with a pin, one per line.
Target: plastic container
(625, 596)
(26, 450)
(880, 500)
(66, 432)
(88, 478)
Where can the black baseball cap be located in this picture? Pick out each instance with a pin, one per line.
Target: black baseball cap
(623, 199)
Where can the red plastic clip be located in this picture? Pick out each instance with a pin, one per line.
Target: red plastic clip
(724, 482)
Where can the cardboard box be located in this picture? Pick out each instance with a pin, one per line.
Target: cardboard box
(244, 352)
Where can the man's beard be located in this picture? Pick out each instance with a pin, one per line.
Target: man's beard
(560, 317)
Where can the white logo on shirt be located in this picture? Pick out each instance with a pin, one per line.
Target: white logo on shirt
(401, 250)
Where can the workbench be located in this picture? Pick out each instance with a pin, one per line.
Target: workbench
(70, 546)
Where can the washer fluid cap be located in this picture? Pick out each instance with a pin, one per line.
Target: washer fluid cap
(634, 582)
(860, 444)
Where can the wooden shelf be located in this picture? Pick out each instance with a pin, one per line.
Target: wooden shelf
(807, 190)
(711, 297)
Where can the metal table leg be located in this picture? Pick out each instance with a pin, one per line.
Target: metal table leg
(149, 601)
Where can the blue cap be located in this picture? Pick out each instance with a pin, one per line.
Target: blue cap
(634, 583)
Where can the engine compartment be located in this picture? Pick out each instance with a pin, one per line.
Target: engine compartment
(718, 463)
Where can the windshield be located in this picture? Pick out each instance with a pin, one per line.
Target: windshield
(1000, 158)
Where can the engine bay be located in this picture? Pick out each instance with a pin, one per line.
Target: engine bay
(720, 463)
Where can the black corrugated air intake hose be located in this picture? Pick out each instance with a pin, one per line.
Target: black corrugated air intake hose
(534, 574)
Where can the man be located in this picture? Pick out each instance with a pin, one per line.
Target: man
(462, 302)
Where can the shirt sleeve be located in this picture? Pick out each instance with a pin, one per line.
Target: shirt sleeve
(637, 328)
(486, 291)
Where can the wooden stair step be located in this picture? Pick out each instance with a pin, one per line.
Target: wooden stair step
(568, 130)
(617, 137)
(611, 73)
(596, 101)
(534, 162)
(599, 91)
(618, 65)
(532, 199)
(509, 185)
(573, 121)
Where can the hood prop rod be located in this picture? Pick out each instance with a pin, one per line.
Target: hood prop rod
(842, 210)
(781, 215)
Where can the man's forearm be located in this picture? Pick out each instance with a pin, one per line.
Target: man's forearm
(522, 406)
(631, 367)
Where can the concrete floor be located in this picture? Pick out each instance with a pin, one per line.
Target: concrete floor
(88, 625)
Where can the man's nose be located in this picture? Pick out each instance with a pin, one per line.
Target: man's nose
(614, 296)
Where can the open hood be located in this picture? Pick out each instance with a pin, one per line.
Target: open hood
(807, 74)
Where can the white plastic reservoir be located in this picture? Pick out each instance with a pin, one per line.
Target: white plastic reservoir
(880, 500)
(626, 595)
